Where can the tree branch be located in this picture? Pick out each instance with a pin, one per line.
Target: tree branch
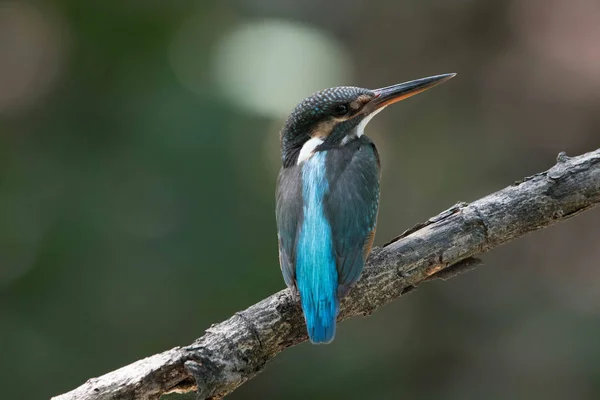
(236, 350)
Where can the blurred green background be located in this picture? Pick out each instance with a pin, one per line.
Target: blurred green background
(138, 158)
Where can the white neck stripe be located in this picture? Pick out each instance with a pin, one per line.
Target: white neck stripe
(308, 149)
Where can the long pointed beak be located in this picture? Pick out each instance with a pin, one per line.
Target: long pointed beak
(392, 94)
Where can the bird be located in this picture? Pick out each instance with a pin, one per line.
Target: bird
(327, 195)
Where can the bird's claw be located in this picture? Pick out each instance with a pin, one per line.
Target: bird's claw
(295, 293)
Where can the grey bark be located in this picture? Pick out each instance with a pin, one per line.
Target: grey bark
(236, 350)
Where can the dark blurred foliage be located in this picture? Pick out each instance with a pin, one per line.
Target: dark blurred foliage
(136, 195)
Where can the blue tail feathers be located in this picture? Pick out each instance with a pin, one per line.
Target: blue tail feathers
(320, 313)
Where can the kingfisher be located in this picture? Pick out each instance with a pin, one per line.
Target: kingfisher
(327, 196)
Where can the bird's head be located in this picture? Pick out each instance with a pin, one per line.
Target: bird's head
(336, 116)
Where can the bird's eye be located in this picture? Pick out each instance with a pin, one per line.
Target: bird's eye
(340, 110)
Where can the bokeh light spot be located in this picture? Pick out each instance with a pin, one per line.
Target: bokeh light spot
(267, 67)
(31, 54)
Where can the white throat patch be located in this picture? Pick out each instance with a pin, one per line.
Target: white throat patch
(308, 149)
(360, 128)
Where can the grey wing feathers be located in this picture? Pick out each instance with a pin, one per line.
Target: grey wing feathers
(352, 207)
(289, 217)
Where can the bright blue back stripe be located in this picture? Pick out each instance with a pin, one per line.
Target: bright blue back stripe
(316, 272)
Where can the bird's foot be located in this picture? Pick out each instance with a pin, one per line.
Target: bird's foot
(295, 294)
